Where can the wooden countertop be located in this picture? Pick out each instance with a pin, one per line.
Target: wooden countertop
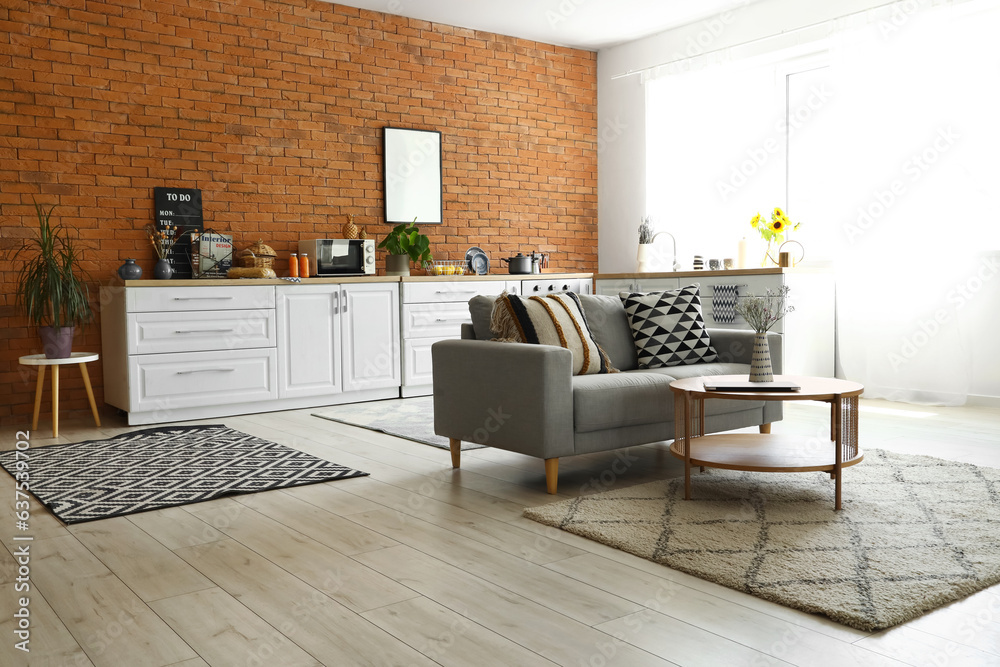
(721, 273)
(333, 280)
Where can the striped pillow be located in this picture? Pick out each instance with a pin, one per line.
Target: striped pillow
(553, 319)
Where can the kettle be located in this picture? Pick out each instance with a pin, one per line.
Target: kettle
(539, 260)
(518, 264)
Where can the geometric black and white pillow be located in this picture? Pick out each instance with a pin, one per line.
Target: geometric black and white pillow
(668, 327)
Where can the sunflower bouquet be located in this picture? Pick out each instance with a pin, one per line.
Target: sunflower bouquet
(773, 232)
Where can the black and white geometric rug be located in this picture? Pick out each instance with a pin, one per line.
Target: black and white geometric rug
(163, 467)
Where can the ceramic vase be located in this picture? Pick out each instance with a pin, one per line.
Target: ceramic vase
(397, 265)
(760, 361)
(130, 270)
(163, 270)
(643, 256)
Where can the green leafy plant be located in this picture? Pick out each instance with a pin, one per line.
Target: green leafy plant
(406, 239)
(48, 288)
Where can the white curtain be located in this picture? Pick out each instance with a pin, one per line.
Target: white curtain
(893, 171)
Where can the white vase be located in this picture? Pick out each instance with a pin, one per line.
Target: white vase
(760, 361)
(643, 257)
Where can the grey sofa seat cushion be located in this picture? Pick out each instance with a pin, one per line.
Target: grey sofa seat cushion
(609, 324)
(631, 398)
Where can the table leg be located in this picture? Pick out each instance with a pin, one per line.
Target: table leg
(38, 397)
(90, 393)
(55, 401)
(838, 430)
(687, 445)
(701, 416)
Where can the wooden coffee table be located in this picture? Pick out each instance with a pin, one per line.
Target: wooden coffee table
(767, 452)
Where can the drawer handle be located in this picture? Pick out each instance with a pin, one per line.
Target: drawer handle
(202, 298)
(454, 319)
(197, 331)
(207, 370)
(449, 291)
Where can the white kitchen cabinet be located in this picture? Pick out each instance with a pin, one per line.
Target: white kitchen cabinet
(195, 351)
(807, 333)
(309, 361)
(369, 323)
(337, 338)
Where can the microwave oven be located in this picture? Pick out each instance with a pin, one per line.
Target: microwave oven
(339, 257)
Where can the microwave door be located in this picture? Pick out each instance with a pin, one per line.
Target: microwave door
(339, 258)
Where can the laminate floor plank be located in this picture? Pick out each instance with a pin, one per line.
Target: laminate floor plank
(344, 579)
(49, 643)
(320, 625)
(682, 643)
(448, 638)
(921, 649)
(327, 528)
(175, 528)
(112, 625)
(224, 632)
(572, 598)
(537, 628)
(495, 534)
(150, 569)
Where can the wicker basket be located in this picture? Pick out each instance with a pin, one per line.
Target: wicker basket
(258, 256)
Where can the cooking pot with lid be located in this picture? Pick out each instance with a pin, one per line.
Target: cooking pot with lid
(518, 264)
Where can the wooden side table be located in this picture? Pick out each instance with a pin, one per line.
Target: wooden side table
(765, 452)
(79, 358)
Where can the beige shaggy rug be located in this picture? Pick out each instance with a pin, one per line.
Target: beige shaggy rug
(915, 532)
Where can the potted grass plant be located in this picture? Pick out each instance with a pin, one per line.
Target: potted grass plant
(53, 296)
(404, 244)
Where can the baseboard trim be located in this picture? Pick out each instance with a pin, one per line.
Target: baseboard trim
(981, 401)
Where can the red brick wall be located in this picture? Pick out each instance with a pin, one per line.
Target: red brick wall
(274, 110)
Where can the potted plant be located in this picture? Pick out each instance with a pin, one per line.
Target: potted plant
(52, 295)
(404, 244)
(762, 313)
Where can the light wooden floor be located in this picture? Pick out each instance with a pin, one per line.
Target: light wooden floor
(420, 565)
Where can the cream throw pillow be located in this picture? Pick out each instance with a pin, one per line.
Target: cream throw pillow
(553, 319)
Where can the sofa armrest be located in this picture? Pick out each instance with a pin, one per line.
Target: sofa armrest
(513, 396)
(736, 346)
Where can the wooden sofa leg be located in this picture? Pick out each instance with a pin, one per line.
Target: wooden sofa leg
(765, 428)
(456, 452)
(551, 475)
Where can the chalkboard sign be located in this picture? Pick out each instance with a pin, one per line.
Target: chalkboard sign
(181, 208)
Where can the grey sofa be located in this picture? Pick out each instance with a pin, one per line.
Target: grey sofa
(524, 398)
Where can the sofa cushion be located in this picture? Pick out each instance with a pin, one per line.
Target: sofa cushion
(554, 319)
(481, 308)
(631, 398)
(643, 396)
(609, 324)
(668, 327)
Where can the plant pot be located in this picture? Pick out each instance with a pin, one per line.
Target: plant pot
(56, 343)
(163, 270)
(760, 361)
(130, 270)
(397, 265)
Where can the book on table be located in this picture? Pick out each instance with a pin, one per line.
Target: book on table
(738, 385)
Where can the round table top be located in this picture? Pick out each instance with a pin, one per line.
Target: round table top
(813, 388)
(74, 358)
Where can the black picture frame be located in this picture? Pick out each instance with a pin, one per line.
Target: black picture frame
(411, 176)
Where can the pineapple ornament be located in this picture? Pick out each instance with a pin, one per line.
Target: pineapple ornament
(349, 230)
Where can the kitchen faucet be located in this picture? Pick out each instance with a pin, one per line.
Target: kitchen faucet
(674, 265)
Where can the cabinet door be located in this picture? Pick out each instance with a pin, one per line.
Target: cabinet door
(309, 352)
(370, 324)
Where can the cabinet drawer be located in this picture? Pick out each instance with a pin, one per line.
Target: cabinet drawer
(455, 291)
(161, 382)
(434, 319)
(173, 299)
(197, 331)
(757, 285)
(708, 310)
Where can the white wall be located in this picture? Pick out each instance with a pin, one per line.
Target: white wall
(621, 112)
